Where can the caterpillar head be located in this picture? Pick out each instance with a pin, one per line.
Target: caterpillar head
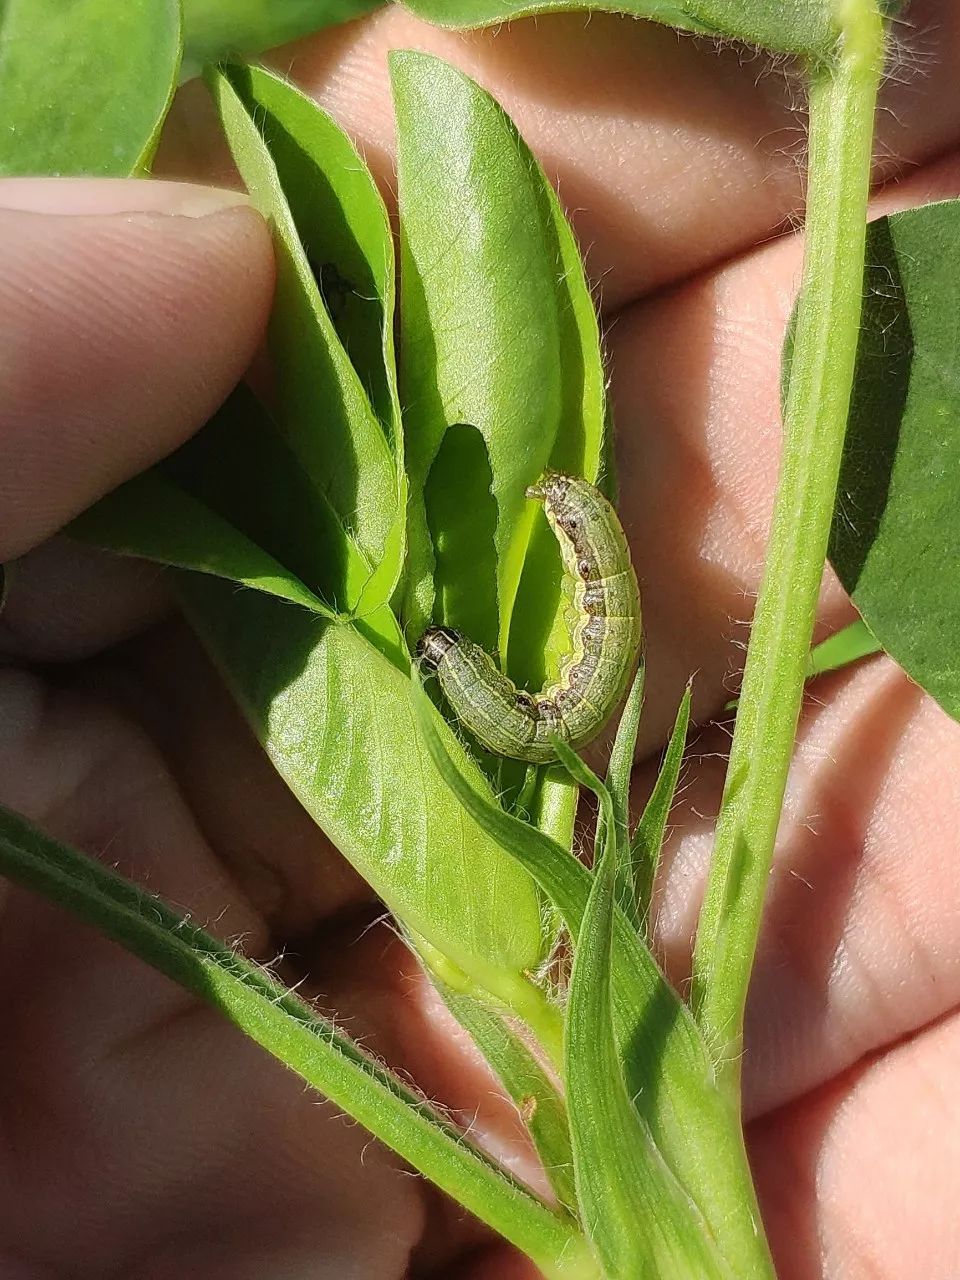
(434, 644)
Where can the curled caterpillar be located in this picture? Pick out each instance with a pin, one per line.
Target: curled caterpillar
(604, 642)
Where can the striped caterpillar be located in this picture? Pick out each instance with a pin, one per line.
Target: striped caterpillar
(604, 642)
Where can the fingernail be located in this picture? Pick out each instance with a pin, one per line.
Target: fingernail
(115, 195)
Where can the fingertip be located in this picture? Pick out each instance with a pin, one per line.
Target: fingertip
(122, 332)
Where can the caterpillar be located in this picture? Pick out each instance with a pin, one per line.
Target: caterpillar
(604, 642)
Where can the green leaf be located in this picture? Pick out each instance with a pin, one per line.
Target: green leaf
(335, 716)
(219, 29)
(212, 506)
(240, 467)
(786, 26)
(640, 1219)
(895, 542)
(667, 1067)
(150, 516)
(85, 86)
(288, 1029)
(647, 841)
(341, 222)
(497, 330)
(842, 649)
(321, 406)
(540, 1105)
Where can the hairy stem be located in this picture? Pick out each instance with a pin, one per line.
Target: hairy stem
(843, 96)
(289, 1030)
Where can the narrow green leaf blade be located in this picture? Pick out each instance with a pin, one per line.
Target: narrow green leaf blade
(787, 26)
(85, 86)
(286, 1027)
(895, 542)
(647, 841)
(152, 517)
(321, 406)
(219, 29)
(638, 1217)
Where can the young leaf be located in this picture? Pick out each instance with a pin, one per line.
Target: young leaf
(647, 840)
(541, 1106)
(638, 1216)
(495, 321)
(667, 1067)
(336, 718)
(895, 542)
(85, 86)
(786, 26)
(321, 406)
(289, 1030)
(219, 29)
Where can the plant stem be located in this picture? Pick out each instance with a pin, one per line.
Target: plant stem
(843, 96)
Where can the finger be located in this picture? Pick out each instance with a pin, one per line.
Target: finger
(68, 601)
(274, 850)
(861, 1181)
(139, 1128)
(696, 392)
(861, 927)
(670, 155)
(127, 312)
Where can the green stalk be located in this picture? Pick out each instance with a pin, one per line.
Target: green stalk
(843, 97)
(289, 1030)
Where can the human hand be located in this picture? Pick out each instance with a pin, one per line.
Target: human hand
(145, 1138)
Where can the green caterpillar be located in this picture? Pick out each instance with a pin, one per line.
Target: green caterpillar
(604, 643)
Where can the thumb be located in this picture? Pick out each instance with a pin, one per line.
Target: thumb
(128, 311)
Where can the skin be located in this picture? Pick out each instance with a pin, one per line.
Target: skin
(139, 1136)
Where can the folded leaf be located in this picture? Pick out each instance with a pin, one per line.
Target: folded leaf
(321, 406)
(341, 222)
(85, 86)
(242, 468)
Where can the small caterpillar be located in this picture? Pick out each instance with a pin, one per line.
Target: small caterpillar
(604, 643)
